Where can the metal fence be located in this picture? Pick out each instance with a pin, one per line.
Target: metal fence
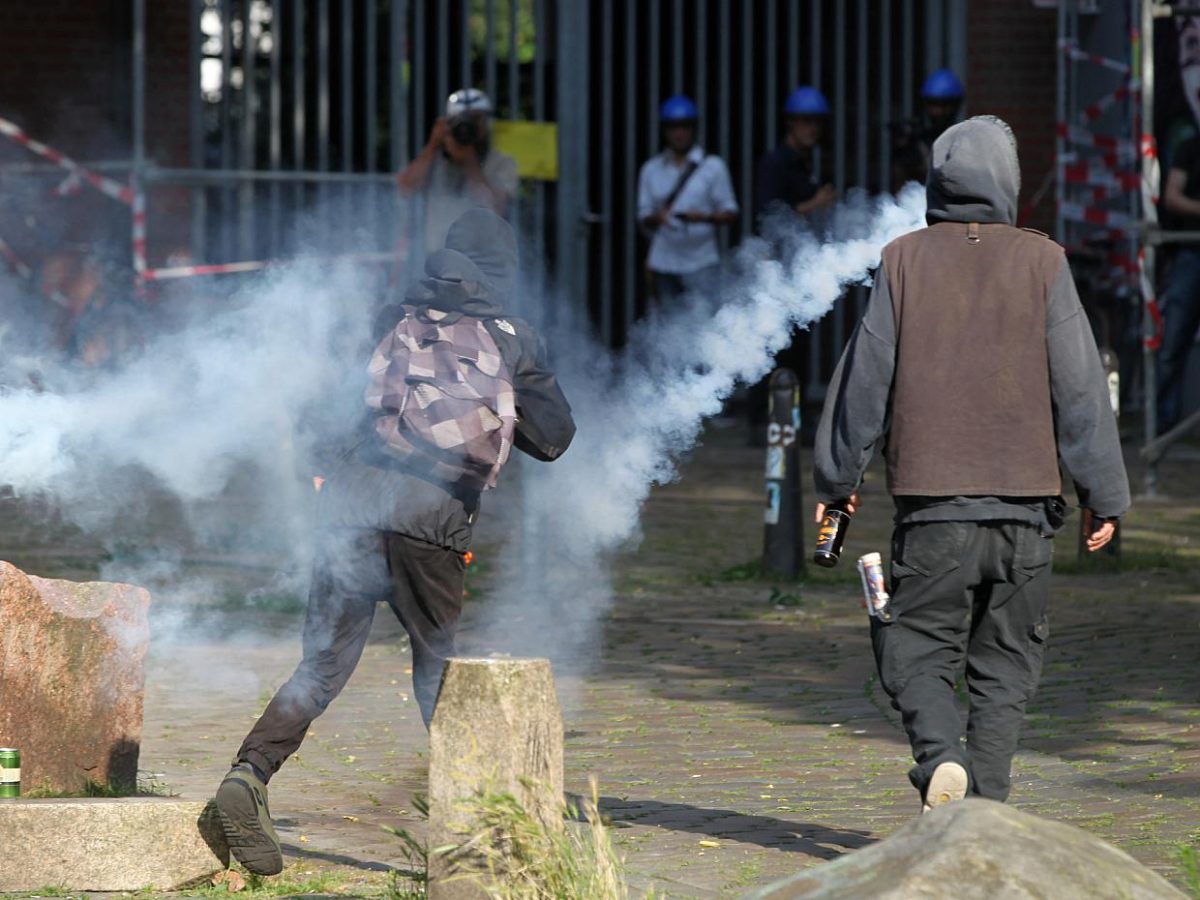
(314, 105)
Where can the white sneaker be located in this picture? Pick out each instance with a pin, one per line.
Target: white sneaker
(949, 783)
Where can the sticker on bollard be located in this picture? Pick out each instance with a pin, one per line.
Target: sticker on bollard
(10, 772)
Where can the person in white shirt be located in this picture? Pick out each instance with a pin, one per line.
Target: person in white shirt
(683, 196)
(459, 168)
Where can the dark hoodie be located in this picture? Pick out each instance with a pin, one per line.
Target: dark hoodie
(475, 274)
(975, 178)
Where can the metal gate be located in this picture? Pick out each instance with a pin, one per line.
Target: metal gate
(314, 105)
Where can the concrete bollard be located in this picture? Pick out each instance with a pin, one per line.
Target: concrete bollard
(497, 728)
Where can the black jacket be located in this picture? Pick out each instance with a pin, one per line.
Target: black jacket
(473, 274)
(974, 177)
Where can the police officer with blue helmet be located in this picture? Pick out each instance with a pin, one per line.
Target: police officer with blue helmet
(684, 195)
(786, 176)
(941, 100)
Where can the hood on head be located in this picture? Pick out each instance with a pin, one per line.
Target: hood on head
(974, 175)
(491, 245)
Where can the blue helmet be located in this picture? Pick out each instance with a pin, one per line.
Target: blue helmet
(942, 85)
(678, 109)
(806, 101)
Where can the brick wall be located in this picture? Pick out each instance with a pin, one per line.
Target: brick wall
(1011, 73)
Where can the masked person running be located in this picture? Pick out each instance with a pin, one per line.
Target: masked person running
(451, 388)
(976, 368)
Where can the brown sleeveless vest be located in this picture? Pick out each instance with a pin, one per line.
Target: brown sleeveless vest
(971, 410)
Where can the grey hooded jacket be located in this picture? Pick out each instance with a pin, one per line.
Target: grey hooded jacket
(974, 177)
(475, 275)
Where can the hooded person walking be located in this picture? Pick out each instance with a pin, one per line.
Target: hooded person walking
(453, 384)
(976, 369)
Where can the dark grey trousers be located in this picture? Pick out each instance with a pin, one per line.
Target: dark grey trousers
(356, 569)
(969, 598)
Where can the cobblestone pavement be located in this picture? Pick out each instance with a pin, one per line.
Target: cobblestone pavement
(735, 723)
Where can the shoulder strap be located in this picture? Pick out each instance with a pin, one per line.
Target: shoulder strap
(688, 171)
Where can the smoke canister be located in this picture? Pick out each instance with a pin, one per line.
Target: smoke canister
(831, 535)
(10, 772)
(870, 567)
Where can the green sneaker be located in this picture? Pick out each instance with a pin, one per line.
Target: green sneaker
(242, 805)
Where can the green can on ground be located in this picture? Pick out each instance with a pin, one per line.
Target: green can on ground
(10, 772)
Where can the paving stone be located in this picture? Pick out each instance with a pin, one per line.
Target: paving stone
(101, 844)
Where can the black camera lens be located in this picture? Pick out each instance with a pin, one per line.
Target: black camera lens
(465, 132)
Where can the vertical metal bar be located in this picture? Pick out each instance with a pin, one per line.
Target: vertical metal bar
(322, 94)
(935, 14)
(347, 85)
(746, 164)
(398, 152)
(885, 94)
(464, 77)
(793, 39)
(906, 79)
(443, 50)
(628, 232)
(420, 36)
(1150, 173)
(573, 143)
(677, 47)
(275, 112)
(839, 148)
(770, 110)
(490, 48)
(225, 9)
(541, 51)
(654, 39)
(700, 79)
(199, 248)
(724, 78)
(514, 71)
(815, 333)
(371, 111)
(861, 98)
(299, 119)
(246, 151)
(138, 137)
(606, 176)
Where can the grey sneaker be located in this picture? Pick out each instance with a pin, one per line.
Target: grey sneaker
(242, 805)
(947, 784)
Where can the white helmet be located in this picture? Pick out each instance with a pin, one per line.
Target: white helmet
(468, 100)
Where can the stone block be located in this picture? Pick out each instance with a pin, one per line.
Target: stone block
(103, 844)
(72, 679)
(497, 728)
(979, 850)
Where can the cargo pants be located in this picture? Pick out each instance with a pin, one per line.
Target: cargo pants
(969, 599)
(355, 569)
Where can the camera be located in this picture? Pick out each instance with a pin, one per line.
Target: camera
(465, 131)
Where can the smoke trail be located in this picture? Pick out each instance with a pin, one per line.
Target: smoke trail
(635, 423)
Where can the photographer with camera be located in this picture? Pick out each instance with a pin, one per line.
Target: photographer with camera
(459, 169)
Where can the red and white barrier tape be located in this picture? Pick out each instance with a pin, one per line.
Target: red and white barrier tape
(1080, 136)
(1073, 51)
(107, 186)
(1102, 176)
(257, 265)
(1091, 113)
(15, 262)
(1094, 215)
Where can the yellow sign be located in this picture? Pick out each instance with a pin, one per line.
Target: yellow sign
(534, 145)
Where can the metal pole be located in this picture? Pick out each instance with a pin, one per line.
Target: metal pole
(629, 231)
(677, 47)
(783, 518)
(490, 48)
(606, 180)
(322, 95)
(196, 136)
(1149, 256)
(571, 102)
(397, 89)
(514, 71)
(654, 67)
(909, 59)
(817, 330)
(299, 118)
(770, 106)
(246, 155)
(464, 11)
(275, 101)
(839, 148)
(723, 79)
(885, 94)
(138, 117)
(370, 113)
(747, 151)
(225, 9)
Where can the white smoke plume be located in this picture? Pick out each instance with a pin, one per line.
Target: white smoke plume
(637, 420)
(228, 390)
